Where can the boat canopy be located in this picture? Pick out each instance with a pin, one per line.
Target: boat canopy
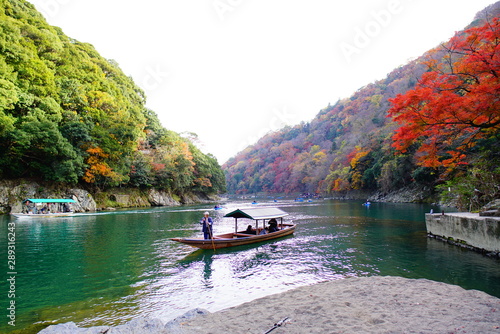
(257, 213)
(50, 200)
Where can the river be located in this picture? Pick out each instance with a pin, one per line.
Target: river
(109, 267)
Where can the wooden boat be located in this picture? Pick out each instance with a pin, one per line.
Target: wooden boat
(46, 207)
(245, 237)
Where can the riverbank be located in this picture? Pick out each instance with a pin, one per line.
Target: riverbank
(13, 192)
(378, 304)
(408, 194)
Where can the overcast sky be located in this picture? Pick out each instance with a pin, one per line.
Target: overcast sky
(233, 70)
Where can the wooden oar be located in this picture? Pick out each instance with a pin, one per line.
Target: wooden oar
(211, 235)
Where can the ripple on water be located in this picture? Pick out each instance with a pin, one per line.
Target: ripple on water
(109, 268)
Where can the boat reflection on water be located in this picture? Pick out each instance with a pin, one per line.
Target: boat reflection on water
(200, 255)
(254, 254)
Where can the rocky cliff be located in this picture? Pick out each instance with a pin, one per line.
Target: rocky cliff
(13, 192)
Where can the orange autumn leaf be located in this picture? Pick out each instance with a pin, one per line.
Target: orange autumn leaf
(97, 166)
(456, 104)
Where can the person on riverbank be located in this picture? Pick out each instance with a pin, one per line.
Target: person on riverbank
(206, 223)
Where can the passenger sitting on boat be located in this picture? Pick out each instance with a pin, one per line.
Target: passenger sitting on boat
(27, 208)
(263, 231)
(249, 230)
(273, 225)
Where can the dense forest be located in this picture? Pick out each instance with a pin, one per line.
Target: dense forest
(68, 115)
(432, 124)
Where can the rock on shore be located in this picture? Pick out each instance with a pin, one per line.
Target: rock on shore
(13, 192)
(352, 305)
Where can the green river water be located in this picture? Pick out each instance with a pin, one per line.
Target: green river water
(110, 267)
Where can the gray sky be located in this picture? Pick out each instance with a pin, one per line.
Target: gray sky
(233, 70)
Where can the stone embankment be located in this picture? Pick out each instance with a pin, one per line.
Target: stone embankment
(477, 231)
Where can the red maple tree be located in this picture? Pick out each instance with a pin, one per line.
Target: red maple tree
(455, 103)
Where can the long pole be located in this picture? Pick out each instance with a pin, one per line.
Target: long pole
(211, 234)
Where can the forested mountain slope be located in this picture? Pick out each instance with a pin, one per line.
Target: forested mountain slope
(354, 144)
(69, 115)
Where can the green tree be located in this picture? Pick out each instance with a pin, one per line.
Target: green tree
(37, 147)
(69, 115)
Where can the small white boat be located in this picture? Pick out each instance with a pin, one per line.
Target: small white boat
(46, 207)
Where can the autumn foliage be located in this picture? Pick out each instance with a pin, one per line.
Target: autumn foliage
(69, 115)
(456, 103)
(443, 131)
(97, 166)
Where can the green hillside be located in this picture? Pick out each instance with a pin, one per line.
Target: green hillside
(352, 146)
(69, 115)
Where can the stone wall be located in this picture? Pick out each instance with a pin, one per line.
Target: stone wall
(470, 228)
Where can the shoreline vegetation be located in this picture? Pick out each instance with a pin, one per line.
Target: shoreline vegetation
(425, 125)
(70, 116)
(13, 192)
(377, 304)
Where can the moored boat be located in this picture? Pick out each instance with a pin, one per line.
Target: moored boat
(252, 234)
(46, 207)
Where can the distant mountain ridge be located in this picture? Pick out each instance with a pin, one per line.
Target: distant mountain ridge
(346, 147)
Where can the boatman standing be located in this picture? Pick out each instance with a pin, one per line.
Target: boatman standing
(206, 222)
